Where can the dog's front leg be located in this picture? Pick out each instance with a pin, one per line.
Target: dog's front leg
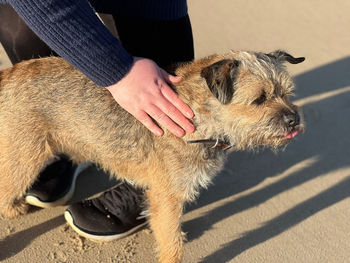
(165, 215)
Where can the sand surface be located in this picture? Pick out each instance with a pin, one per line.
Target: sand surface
(290, 207)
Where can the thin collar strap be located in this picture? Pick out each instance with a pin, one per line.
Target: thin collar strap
(221, 145)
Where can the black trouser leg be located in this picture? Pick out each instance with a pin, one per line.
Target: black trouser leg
(165, 42)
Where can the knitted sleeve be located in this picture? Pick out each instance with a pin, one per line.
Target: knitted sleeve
(72, 30)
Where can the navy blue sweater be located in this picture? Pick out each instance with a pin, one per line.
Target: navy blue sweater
(72, 30)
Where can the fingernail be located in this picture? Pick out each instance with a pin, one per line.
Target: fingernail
(189, 115)
(190, 128)
(180, 133)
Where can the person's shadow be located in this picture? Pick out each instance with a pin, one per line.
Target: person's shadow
(325, 147)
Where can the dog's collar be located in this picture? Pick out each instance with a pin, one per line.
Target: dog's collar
(219, 144)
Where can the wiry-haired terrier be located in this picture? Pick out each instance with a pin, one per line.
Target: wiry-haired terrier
(240, 101)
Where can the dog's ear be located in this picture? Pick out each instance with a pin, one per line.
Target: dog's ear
(284, 56)
(220, 78)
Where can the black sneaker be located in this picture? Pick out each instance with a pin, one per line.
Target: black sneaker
(55, 184)
(114, 214)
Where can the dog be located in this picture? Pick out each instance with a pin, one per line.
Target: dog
(241, 100)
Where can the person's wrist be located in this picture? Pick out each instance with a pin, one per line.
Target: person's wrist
(135, 59)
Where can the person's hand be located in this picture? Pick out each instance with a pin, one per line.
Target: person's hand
(144, 93)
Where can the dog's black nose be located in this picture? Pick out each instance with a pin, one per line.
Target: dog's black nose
(292, 119)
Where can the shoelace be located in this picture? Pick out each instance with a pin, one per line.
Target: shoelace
(124, 202)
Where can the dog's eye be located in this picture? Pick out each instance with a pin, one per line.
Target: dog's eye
(260, 100)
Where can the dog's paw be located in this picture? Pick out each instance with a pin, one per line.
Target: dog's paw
(14, 210)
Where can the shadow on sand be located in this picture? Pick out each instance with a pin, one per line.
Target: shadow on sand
(15, 243)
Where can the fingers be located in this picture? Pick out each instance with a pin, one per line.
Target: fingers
(171, 96)
(170, 78)
(170, 111)
(146, 120)
(164, 119)
(167, 115)
(175, 114)
(174, 99)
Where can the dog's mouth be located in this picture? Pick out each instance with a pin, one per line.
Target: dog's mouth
(291, 134)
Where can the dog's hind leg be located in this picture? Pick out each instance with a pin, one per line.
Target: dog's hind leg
(165, 214)
(21, 161)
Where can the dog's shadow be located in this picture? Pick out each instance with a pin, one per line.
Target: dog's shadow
(325, 146)
(15, 243)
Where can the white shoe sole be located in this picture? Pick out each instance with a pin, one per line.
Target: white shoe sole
(35, 201)
(96, 238)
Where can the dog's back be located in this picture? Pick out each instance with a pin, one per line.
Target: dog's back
(52, 102)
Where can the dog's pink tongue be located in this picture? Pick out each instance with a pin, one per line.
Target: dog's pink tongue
(291, 134)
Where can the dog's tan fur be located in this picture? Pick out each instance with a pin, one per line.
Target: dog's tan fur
(48, 107)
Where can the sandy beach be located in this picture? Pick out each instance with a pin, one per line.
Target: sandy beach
(290, 207)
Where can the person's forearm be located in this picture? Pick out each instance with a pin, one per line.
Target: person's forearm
(71, 28)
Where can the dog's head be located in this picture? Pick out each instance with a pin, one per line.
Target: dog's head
(250, 99)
